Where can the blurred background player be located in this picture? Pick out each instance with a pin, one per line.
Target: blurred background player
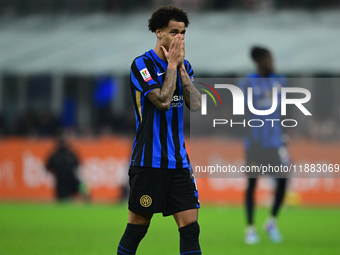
(264, 145)
(64, 165)
(160, 174)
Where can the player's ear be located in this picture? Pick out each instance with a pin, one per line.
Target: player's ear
(158, 33)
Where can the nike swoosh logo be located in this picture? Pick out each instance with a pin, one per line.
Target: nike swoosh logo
(159, 74)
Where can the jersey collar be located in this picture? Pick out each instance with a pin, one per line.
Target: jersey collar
(158, 59)
(257, 75)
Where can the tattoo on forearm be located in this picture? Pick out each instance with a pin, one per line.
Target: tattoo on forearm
(191, 95)
(163, 96)
(169, 84)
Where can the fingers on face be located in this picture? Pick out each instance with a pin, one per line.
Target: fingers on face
(173, 42)
(181, 40)
(178, 41)
(164, 50)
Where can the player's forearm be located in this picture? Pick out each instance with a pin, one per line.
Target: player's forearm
(191, 95)
(169, 84)
(162, 97)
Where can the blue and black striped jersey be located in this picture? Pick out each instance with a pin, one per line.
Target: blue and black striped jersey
(159, 142)
(267, 136)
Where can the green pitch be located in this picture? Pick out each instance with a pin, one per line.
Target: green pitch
(96, 230)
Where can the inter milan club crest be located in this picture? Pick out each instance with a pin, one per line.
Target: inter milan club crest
(145, 201)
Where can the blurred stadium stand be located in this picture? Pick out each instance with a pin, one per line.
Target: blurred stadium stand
(54, 69)
(26, 7)
(302, 42)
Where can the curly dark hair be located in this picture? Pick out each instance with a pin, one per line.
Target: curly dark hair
(258, 52)
(163, 15)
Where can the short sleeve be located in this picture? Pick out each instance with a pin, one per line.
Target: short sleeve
(143, 75)
(189, 69)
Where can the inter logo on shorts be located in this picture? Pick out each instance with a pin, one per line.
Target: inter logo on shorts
(145, 201)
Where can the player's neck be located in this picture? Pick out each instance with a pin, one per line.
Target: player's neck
(263, 73)
(159, 52)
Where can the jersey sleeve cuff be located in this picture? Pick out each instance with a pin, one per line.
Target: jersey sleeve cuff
(151, 87)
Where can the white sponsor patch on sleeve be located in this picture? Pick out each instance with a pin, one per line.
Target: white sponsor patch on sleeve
(145, 74)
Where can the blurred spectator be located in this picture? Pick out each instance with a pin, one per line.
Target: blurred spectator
(64, 165)
(68, 115)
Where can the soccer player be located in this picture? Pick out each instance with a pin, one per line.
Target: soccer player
(160, 175)
(264, 145)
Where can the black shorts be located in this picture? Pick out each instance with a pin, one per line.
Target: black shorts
(275, 157)
(155, 190)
